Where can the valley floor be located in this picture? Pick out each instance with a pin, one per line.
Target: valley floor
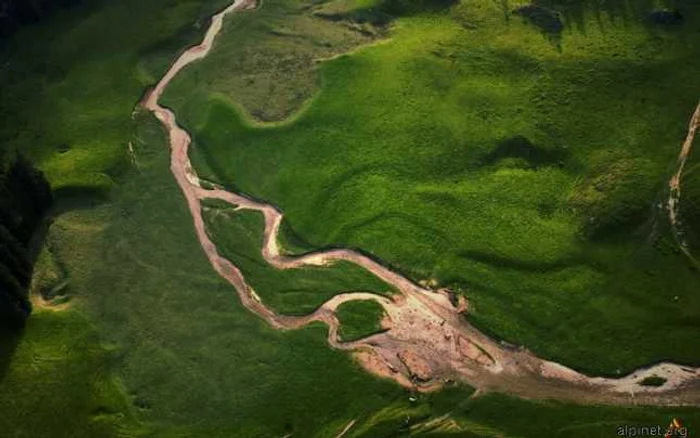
(147, 341)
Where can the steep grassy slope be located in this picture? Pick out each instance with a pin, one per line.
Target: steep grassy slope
(515, 165)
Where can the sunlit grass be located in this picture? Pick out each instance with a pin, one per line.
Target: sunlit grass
(392, 158)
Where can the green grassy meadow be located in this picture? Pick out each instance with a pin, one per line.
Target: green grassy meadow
(57, 380)
(155, 344)
(519, 168)
(359, 319)
(238, 235)
(194, 362)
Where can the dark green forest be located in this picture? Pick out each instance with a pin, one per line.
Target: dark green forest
(25, 196)
(17, 13)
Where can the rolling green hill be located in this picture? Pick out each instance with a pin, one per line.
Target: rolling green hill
(520, 166)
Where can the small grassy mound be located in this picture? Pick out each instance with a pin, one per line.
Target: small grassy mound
(653, 381)
(359, 319)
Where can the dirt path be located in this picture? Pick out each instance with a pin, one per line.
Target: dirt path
(675, 182)
(428, 343)
(346, 429)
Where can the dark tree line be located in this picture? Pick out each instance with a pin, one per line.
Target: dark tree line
(25, 196)
(17, 13)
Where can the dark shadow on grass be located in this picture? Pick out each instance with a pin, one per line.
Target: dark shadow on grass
(374, 16)
(519, 265)
(574, 12)
(548, 20)
(387, 11)
(554, 16)
(77, 196)
(519, 147)
(413, 7)
(289, 235)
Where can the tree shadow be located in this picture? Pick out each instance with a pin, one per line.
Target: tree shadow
(555, 16)
(531, 155)
(25, 198)
(576, 12)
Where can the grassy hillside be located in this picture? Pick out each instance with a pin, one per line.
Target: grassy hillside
(268, 58)
(69, 84)
(475, 146)
(192, 359)
(184, 358)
